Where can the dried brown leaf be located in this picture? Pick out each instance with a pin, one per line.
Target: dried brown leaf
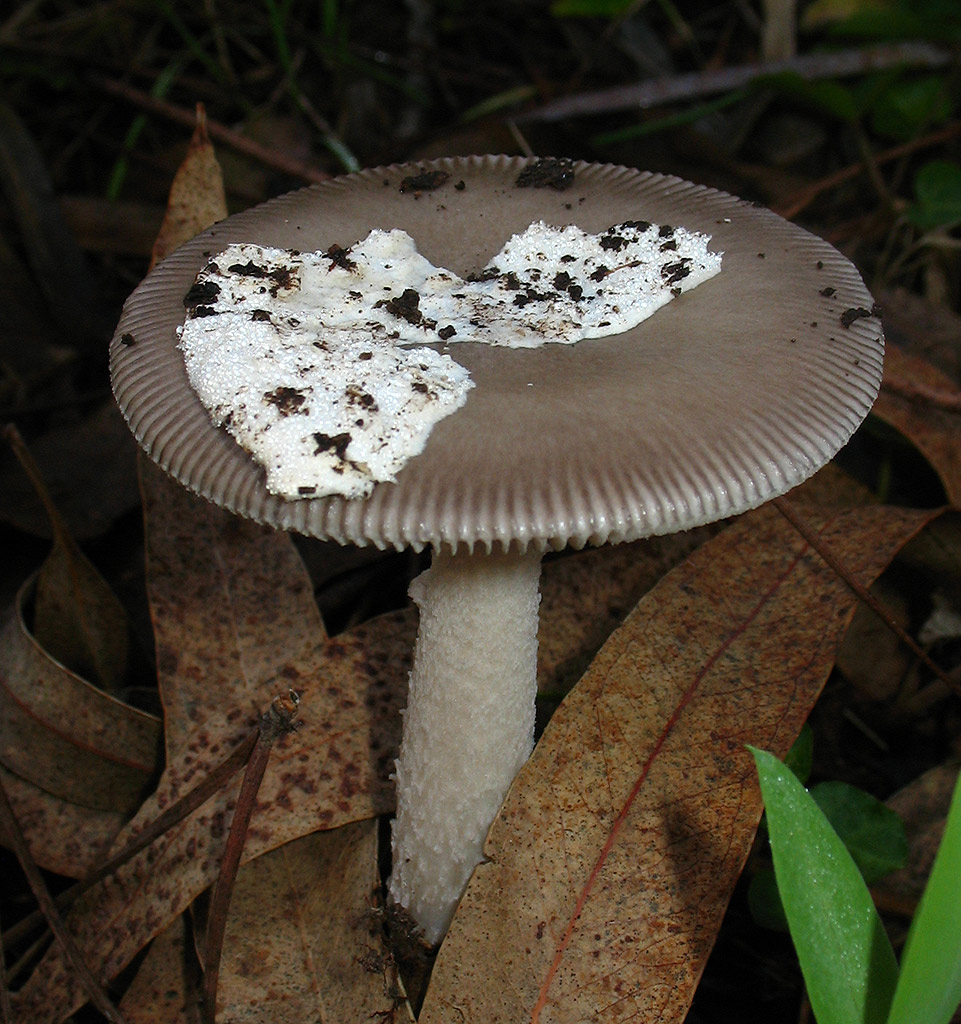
(586, 595)
(66, 736)
(76, 616)
(197, 197)
(303, 941)
(160, 993)
(613, 859)
(63, 837)
(923, 806)
(89, 468)
(236, 623)
(872, 658)
(925, 405)
(923, 328)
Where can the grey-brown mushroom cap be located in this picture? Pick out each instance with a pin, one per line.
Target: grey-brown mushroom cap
(730, 395)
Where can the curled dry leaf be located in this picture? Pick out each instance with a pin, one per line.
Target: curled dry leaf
(63, 837)
(64, 735)
(612, 861)
(235, 622)
(925, 406)
(76, 616)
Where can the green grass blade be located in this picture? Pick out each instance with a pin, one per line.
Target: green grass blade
(846, 959)
(929, 989)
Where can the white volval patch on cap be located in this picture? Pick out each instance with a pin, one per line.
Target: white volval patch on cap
(306, 358)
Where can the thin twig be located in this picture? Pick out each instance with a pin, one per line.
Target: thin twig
(175, 813)
(813, 66)
(217, 131)
(276, 722)
(15, 838)
(807, 196)
(941, 398)
(794, 517)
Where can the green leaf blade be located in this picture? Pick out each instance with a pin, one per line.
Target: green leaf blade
(846, 959)
(929, 989)
(873, 834)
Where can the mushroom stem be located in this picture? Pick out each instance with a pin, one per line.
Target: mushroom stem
(469, 723)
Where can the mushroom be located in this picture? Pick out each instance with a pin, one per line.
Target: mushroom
(728, 396)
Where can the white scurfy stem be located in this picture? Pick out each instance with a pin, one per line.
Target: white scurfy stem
(469, 723)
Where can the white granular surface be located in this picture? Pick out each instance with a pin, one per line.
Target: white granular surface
(306, 358)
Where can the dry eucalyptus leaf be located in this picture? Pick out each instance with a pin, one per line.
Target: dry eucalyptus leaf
(197, 197)
(64, 735)
(161, 992)
(63, 837)
(923, 805)
(872, 657)
(89, 469)
(586, 595)
(612, 861)
(923, 328)
(304, 941)
(235, 623)
(76, 616)
(932, 428)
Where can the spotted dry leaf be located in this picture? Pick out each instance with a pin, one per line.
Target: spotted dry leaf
(304, 941)
(166, 990)
(63, 836)
(612, 861)
(585, 596)
(235, 623)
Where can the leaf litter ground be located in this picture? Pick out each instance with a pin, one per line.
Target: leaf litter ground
(630, 816)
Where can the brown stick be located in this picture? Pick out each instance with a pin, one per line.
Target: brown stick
(216, 130)
(277, 721)
(810, 66)
(940, 398)
(791, 514)
(18, 842)
(845, 174)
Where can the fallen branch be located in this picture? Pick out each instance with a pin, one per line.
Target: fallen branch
(807, 195)
(217, 131)
(812, 66)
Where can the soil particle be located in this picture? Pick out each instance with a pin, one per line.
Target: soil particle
(286, 400)
(854, 313)
(674, 272)
(549, 172)
(340, 257)
(336, 443)
(407, 307)
(426, 181)
(201, 294)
